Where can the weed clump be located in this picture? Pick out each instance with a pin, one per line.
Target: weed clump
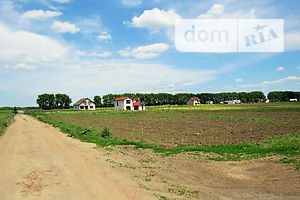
(106, 132)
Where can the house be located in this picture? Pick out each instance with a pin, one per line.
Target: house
(193, 101)
(293, 100)
(236, 101)
(84, 104)
(128, 103)
(209, 102)
(263, 101)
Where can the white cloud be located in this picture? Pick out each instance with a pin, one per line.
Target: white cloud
(6, 66)
(214, 12)
(23, 46)
(280, 69)
(239, 80)
(102, 55)
(80, 53)
(62, 1)
(104, 36)
(64, 27)
(155, 19)
(282, 80)
(218, 11)
(132, 3)
(187, 84)
(144, 52)
(40, 14)
(171, 85)
(23, 66)
(292, 41)
(91, 26)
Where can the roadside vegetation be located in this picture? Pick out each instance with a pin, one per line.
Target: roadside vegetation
(268, 130)
(6, 118)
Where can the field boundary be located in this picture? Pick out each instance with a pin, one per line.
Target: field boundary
(288, 146)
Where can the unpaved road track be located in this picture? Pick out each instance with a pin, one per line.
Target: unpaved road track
(39, 162)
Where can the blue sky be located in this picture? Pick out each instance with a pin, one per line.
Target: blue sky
(89, 47)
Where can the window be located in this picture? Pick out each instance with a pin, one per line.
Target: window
(117, 103)
(91, 107)
(81, 107)
(127, 101)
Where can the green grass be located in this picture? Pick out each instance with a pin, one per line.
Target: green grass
(6, 118)
(287, 146)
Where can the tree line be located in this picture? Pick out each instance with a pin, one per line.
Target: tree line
(59, 101)
(181, 98)
(53, 101)
(278, 96)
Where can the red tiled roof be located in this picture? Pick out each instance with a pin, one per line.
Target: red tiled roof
(81, 100)
(123, 98)
(136, 103)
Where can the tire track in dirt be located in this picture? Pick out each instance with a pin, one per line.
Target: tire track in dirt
(39, 162)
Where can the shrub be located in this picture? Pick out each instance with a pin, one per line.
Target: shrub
(106, 132)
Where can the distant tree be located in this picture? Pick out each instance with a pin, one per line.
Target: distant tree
(62, 101)
(15, 110)
(46, 101)
(97, 101)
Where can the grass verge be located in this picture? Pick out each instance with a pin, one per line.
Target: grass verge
(6, 118)
(288, 146)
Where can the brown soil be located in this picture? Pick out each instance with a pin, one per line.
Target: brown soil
(186, 176)
(39, 162)
(192, 128)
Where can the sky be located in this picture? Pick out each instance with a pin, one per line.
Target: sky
(85, 48)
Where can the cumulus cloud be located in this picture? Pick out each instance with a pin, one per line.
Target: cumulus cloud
(280, 69)
(218, 11)
(214, 12)
(102, 55)
(239, 80)
(62, 1)
(40, 14)
(187, 84)
(64, 27)
(155, 19)
(282, 80)
(132, 3)
(28, 47)
(23, 66)
(104, 36)
(144, 52)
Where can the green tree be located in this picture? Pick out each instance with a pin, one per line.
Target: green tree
(46, 101)
(62, 101)
(97, 101)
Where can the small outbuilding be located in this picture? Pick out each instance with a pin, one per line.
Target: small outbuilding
(293, 100)
(263, 101)
(84, 104)
(193, 101)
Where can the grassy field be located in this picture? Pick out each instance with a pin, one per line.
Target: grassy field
(6, 118)
(233, 132)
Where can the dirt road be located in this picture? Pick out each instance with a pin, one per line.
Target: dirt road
(39, 162)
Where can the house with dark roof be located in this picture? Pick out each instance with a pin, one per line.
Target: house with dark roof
(128, 103)
(84, 104)
(193, 101)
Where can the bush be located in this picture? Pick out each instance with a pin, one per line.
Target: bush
(106, 132)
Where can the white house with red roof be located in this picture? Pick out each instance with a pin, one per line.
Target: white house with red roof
(84, 104)
(128, 103)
